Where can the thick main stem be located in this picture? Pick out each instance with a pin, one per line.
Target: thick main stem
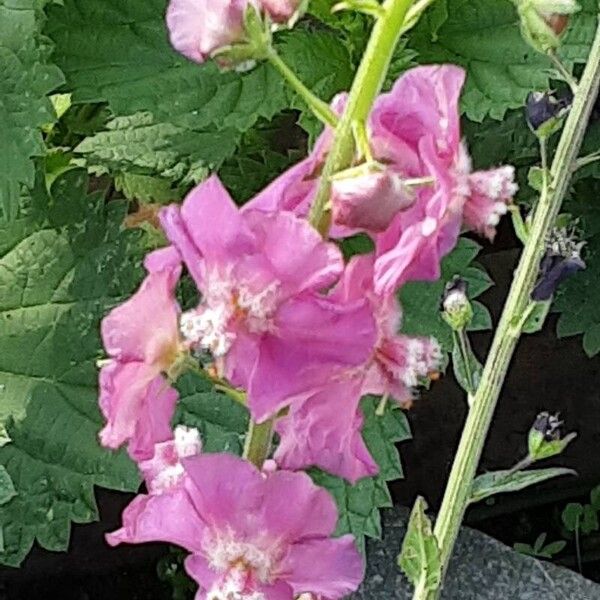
(507, 335)
(365, 88)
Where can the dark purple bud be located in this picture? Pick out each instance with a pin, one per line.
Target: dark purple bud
(543, 107)
(562, 259)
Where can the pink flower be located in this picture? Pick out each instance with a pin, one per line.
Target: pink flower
(197, 28)
(164, 470)
(415, 131)
(164, 475)
(142, 340)
(325, 429)
(251, 536)
(368, 199)
(262, 315)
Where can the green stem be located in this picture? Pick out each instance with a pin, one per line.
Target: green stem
(258, 442)
(466, 352)
(507, 335)
(367, 84)
(320, 109)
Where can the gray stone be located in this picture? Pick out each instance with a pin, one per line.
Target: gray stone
(481, 569)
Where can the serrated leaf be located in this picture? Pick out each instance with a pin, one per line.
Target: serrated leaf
(63, 269)
(221, 421)
(7, 488)
(420, 557)
(26, 80)
(501, 482)
(359, 504)
(193, 114)
(483, 36)
(578, 298)
(421, 301)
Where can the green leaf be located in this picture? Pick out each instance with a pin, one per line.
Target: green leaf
(421, 300)
(174, 115)
(571, 516)
(467, 368)
(359, 504)
(420, 556)
(221, 421)
(27, 79)
(66, 262)
(553, 548)
(501, 482)
(595, 497)
(7, 488)
(589, 522)
(484, 37)
(578, 298)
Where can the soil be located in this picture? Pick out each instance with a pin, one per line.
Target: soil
(547, 374)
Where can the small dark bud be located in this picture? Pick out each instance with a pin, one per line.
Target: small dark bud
(545, 111)
(550, 426)
(562, 259)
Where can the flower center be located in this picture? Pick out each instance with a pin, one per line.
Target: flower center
(212, 326)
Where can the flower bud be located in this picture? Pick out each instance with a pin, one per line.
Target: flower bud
(368, 197)
(543, 21)
(562, 259)
(456, 307)
(546, 437)
(545, 112)
(283, 11)
(198, 28)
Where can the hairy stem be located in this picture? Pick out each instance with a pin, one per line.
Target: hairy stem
(507, 335)
(367, 84)
(319, 108)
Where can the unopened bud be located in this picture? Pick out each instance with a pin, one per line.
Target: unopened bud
(545, 112)
(544, 21)
(546, 437)
(456, 307)
(562, 259)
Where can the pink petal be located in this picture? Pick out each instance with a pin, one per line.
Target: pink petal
(198, 567)
(299, 257)
(279, 590)
(226, 491)
(312, 513)
(199, 27)
(325, 431)
(423, 102)
(169, 517)
(138, 406)
(281, 11)
(145, 327)
(314, 335)
(214, 223)
(176, 232)
(332, 567)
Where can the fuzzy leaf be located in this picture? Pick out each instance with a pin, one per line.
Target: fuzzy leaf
(60, 272)
(27, 78)
(484, 37)
(501, 482)
(174, 115)
(359, 504)
(578, 298)
(420, 556)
